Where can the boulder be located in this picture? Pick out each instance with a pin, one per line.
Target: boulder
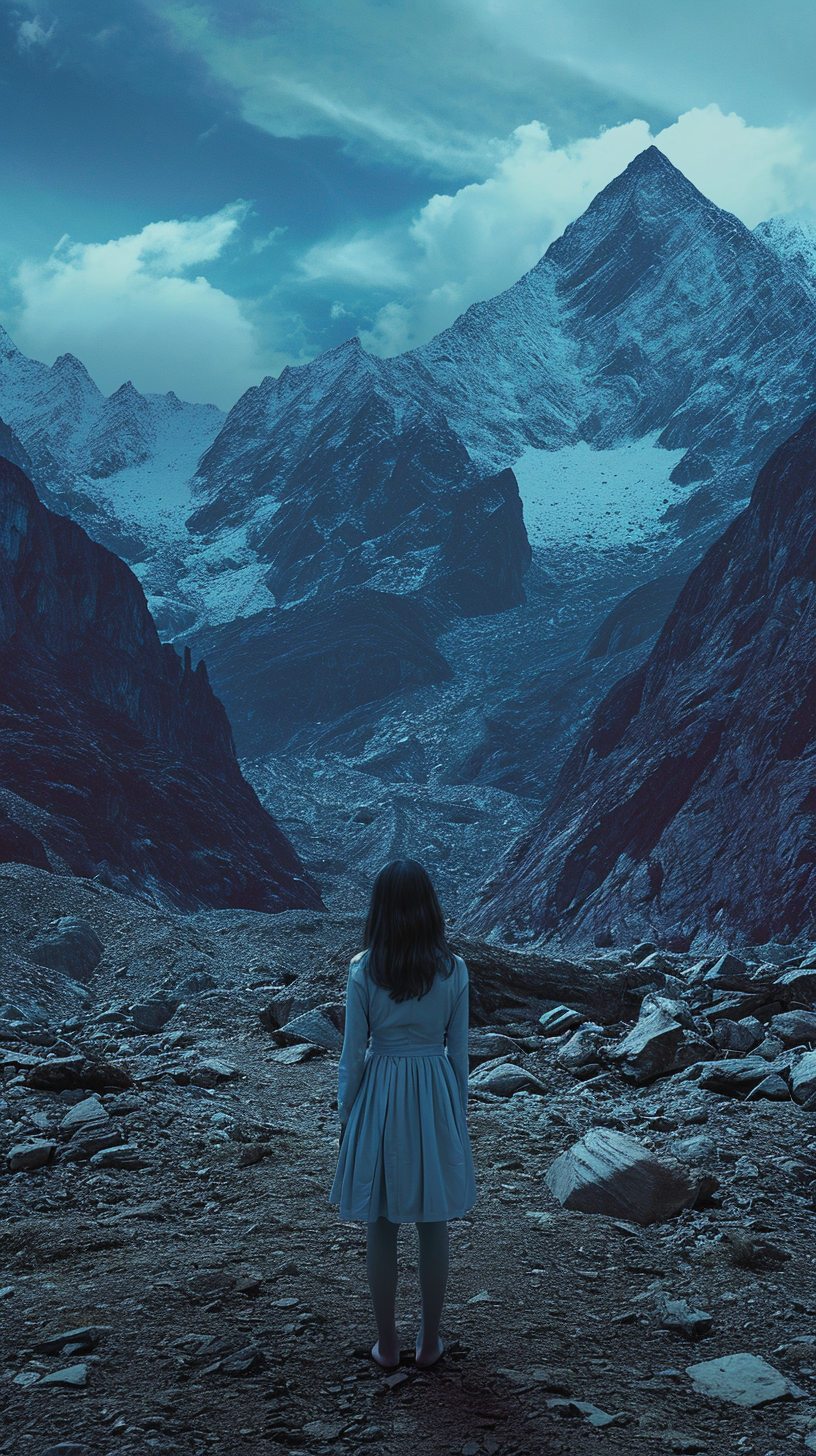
(319, 1026)
(84, 1117)
(71, 946)
(560, 1019)
(61, 1074)
(679, 1317)
(25, 1157)
(737, 1078)
(486, 1046)
(582, 1049)
(735, 1036)
(742, 1379)
(798, 984)
(803, 1079)
(772, 1088)
(152, 1015)
(506, 1079)
(729, 973)
(794, 1028)
(657, 1046)
(609, 1172)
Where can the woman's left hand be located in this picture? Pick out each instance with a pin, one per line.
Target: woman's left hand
(342, 1134)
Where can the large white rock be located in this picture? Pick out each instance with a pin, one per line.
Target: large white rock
(803, 1078)
(743, 1379)
(611, 1173)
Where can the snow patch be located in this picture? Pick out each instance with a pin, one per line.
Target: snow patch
(600, 498)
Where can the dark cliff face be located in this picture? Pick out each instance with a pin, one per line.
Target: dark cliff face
(383, 531)
(689, 809)
(114, 756)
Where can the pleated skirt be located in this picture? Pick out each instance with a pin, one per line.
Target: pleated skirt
(406, 1153)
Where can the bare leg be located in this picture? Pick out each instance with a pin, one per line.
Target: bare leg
(434, 1246)
(381, 1267)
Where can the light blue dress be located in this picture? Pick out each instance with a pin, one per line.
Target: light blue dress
(406, 1153)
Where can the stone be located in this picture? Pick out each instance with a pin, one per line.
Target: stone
(486, 1046)
(83, 1145)
(734, 1079)
(560, 1019)
(126, 1157)
(657, 1046)
(729, 973)
(506, 1079)
(694, 1150)
(154, 1014)
(249, 1361)
(84, 1116)
(735, 1036)
(77, 1072)
(646, 948)
(75, 1342)
(679, 1317)
(803, 1078)
(211, 1071)
(770, 1048)
(321, 1026)
(609, 1172)
(742, 1379)
(794, 1028)
(25, 1157)
(73, 1376)
(292, 1054)
(772, 1088)
(798, 982)
(582, 1049)
(71, 947)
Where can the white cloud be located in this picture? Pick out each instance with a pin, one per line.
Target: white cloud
(469, 245)
(127, 309)
(753, 171)
(33, 33)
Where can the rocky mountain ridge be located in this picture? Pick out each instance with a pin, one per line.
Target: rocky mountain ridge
(117, 759)
(687, 810)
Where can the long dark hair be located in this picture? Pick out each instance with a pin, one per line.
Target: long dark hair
(405, 932)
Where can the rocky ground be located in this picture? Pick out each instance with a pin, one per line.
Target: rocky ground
(175, 1280)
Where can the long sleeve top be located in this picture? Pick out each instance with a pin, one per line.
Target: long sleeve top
(440, 1016)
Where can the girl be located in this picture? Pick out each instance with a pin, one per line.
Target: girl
(404, 1148)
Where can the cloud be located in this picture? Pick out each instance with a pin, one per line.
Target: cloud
(753, 171)
(423, 84)
(471, 244)
(128, 310)
(33, 33)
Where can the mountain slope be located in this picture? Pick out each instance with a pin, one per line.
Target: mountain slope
(115, 758)
(689, 809)
(112, 463)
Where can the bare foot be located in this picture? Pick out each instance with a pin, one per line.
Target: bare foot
(380, 1356)
(429, 1355)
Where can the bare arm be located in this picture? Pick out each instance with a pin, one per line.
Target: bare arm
(355, 1041)
(456, 1038)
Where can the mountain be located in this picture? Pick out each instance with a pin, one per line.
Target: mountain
(793, 238)
(654, 312)
(116, 759)
(632, 382)
(110, 462)
(687, 813)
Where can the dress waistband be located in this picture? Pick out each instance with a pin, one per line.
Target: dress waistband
(404, 1049)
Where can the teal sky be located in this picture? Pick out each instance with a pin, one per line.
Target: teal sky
(322, 169)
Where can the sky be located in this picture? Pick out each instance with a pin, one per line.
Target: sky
(197, 194)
